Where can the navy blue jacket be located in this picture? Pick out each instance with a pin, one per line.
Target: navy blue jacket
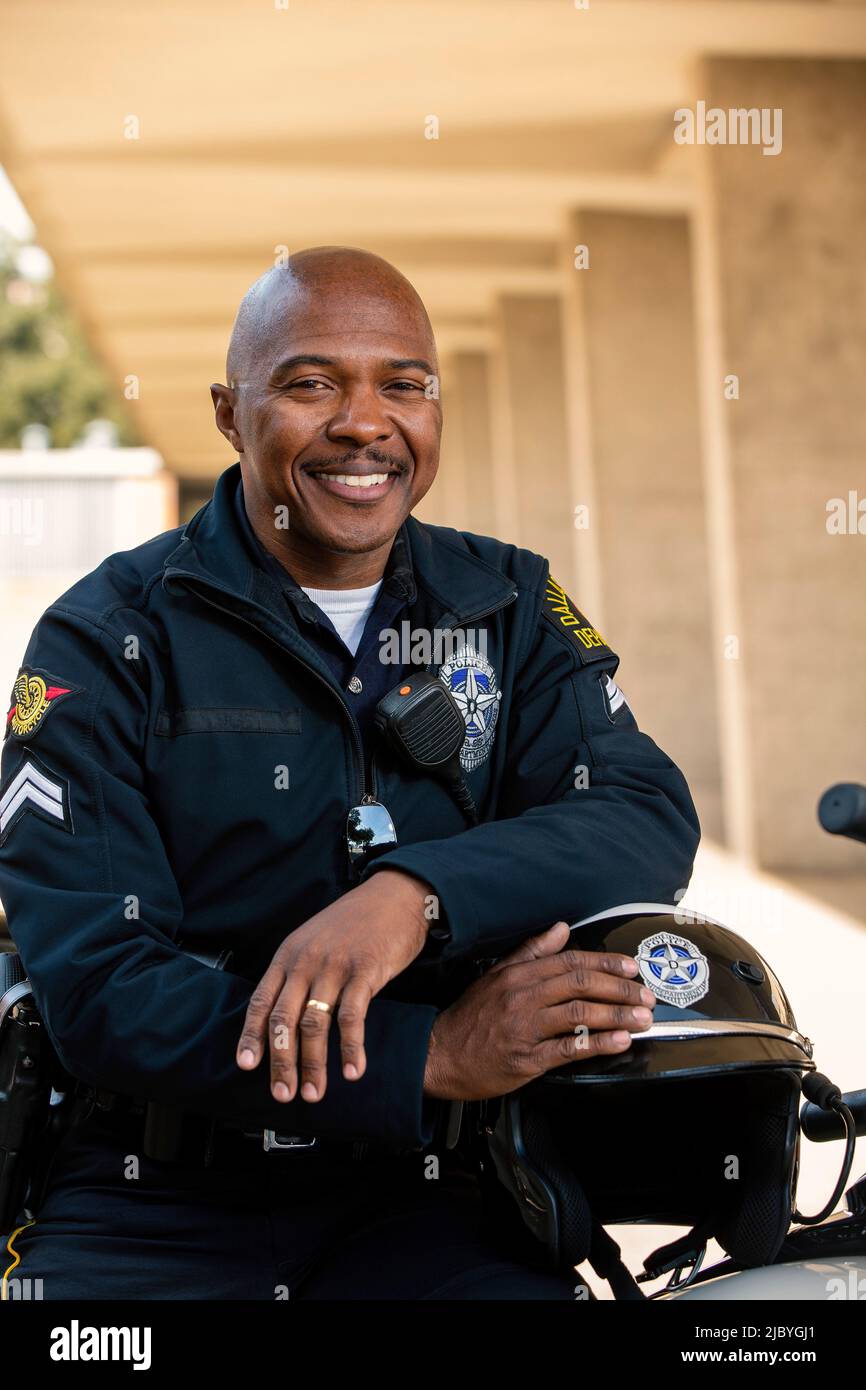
(178, 765)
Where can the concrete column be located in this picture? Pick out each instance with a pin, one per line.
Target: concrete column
(587, 587)
(506, 510)
(462, 495)
(468, 413)
(531, 455)
(648, 514)
(441, 506)
(451, 482)
(785, 316)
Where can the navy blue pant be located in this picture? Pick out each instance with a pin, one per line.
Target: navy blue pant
(265, 1226)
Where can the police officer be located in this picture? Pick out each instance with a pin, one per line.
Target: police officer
(192, 765)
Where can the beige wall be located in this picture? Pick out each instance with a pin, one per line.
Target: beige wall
(467, 406)
(530, 328)
(639, 336)
(790, 268)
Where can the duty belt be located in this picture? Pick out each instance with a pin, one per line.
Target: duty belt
(171, 1135)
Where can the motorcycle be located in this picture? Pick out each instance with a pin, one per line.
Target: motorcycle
(822, 1259)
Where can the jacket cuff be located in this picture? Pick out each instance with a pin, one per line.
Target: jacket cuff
(458, 929)
(388, 1103)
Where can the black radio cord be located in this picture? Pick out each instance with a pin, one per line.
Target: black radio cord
(823, 1093)
(463, 797)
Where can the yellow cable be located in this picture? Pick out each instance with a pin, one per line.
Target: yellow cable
(16, 1261)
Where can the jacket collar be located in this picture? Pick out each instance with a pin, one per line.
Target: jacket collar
(213, 550)
(398, 579)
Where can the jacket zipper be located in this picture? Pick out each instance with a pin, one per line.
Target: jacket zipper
(358, 747)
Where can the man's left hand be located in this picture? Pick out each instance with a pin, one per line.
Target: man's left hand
(341, 957)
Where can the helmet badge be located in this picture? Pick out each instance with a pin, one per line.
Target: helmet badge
(675, 970)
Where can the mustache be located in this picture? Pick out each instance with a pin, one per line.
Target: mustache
(371, 455)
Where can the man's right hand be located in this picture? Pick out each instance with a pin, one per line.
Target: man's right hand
(536, 1009)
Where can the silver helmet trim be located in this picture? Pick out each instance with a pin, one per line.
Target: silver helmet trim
(720, 1028)
(652, 910)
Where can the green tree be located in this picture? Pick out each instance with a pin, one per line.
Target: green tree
(48, 375)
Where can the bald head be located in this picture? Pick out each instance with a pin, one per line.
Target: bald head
(333, 408)
(352, 278)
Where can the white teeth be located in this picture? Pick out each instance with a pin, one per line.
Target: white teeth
(353, 480)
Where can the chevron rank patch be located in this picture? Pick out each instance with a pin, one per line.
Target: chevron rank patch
(34, 695)
(615, 704)
(559, 610)
(36, 789)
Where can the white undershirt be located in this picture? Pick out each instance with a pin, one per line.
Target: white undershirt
(348, 609)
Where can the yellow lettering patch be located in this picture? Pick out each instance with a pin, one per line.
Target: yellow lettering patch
(563, 613)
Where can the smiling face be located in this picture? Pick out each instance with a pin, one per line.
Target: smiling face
(330, 407)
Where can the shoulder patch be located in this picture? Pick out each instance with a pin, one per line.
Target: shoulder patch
(34, 695)
(616, 706)
(559, 610)
(34, 787)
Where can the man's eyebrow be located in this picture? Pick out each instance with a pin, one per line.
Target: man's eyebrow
(397, 364)
(313, 359)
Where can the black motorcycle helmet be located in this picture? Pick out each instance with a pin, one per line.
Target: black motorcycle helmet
(696, 1125)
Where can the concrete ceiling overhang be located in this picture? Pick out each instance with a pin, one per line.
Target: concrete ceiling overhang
(263, 126)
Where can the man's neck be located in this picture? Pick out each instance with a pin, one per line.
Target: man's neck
(316, 568)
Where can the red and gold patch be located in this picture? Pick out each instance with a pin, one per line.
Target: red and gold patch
(34, 695)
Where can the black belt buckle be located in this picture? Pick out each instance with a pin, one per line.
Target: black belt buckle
(273, 1139)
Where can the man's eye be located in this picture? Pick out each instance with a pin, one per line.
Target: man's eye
(406, 385)
(310, 382)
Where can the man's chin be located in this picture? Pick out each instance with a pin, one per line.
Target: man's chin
(354, 530)
(354, 536)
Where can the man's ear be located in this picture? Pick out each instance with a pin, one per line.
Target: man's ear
(223, 398)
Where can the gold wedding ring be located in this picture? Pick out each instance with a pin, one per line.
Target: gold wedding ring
(318, 1004)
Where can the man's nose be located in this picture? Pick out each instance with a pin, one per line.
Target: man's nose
(360, 418)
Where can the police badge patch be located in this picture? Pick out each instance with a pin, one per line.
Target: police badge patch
(675, 970)
(472, 681)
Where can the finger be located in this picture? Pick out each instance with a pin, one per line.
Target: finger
(314, 1028)
(563, 962)
(283, 1036)
(251, 1044)
(556, 1052)
(584, 1015)
(546, 943)
(588, 983)
(351, 1016)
